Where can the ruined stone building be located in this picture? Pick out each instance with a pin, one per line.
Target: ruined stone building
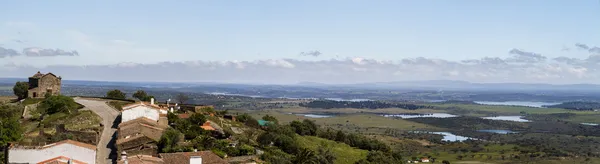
(40, 84)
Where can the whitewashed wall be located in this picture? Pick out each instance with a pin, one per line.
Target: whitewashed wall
(138, 112)
(86, 155)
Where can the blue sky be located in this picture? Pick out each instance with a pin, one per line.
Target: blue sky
(150, 32)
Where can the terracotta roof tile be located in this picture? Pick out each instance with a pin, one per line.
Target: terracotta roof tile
(60, 160)
(142, 159)
(208, 157)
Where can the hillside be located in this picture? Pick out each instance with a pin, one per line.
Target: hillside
(344, 153)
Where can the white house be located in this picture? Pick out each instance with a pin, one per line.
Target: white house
(138, 110)
(63, 151)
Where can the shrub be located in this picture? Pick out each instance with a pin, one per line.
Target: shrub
(115, 94)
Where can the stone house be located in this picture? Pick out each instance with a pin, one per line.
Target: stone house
(139, 137)
(201, 157)
(40, 84)
(143, 109)
(139, 159)
(60, 152)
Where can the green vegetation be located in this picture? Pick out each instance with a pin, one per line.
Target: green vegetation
(142, 95)
(20, 90)
(10, 129)
(577, 105)
(182, 98)
(117, 104)
(115, 94)
(58, 104)
(29, 101)
(478, 110)
(344, 154)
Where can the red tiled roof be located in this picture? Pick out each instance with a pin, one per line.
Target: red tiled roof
(184, 116)
(60, 160)
(208, 157)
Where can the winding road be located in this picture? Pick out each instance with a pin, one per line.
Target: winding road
(106, 152)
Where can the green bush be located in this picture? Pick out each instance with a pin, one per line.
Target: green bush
(21, 89)
(58, 104)
(115, 94)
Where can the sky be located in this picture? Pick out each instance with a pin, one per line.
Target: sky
(282, 42)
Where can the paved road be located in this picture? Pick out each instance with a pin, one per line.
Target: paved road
(106, 153)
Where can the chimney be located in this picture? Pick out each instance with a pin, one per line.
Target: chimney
(151, 101)
(124, 157)
(195, 160)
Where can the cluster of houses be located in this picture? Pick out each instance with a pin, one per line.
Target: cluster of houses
(142, 125)
(422, 160)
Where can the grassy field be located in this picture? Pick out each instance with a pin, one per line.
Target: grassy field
(585, 118)
(355, 110)
(508, 110)
(344, 153)
(350, 120)
(29, 101)
(7, 98)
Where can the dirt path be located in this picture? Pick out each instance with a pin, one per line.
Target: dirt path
(106, 152)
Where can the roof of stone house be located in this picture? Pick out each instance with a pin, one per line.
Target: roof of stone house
(40, 75)
(37, 75)
(126, 107)
(145, 131)
(141, 120)
(142, 159)
(60, 160)
(80, 144)
(184, 115)
(208, 157)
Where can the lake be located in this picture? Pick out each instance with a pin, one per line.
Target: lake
(517, 103)
(449, 136)
(435, 115)
(313, 115)
(507, 118)
(590, 124)
(352, 100)
(497, 131)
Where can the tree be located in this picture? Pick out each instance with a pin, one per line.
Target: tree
(168, 141)
(20, 89)
(182, 98)
(243, 117)
(306, 156)
(115, 94)
(56, 104)
(445, 162)
(325, 156)
(197, 119)
(141, 95)
(10, 130)
(311, 127)
(270, 118)
(172, 117)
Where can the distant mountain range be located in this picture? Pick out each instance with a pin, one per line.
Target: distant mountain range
(435, 85)
(432, 85)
